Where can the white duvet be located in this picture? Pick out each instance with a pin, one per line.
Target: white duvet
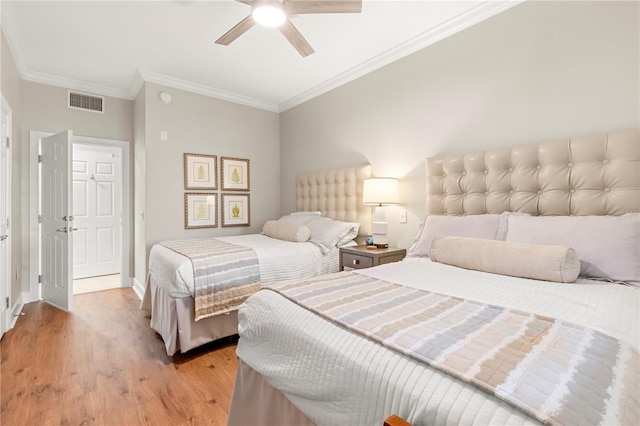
(337, 377)
(279, 260)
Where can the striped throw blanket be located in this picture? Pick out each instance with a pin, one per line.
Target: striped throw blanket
(225, 274)
(557, 372)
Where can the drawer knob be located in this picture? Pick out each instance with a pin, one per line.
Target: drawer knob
(356, 261)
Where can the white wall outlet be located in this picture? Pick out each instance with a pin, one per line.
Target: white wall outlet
(164, 136)
(402, 215)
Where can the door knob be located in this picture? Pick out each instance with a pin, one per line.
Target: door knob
(65, 230)
(3, 237)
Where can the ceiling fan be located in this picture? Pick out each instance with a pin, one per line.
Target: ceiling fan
(277, 13)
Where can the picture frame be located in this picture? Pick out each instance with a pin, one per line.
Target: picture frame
(200, 210)
(235, 174)
(236, 210)
(200, 171)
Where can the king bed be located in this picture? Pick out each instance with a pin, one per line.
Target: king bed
(185, 308)
(517, 304)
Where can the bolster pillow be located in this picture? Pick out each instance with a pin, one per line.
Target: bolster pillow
(539, 262)
(286, 231)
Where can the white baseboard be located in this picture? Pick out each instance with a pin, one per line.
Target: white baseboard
(16, 311)
(138, 288)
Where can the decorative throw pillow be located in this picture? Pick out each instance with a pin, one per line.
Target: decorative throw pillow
(286, 231)
(539, 262)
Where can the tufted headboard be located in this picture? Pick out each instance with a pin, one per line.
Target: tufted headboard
(592, 175)
(337, 194)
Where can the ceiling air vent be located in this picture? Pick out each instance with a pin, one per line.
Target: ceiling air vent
(86, 102)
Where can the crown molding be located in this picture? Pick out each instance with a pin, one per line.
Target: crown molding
(73, 84)
(176, 83)
(454, 25)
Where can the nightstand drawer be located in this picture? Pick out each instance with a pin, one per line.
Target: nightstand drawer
(356, 262)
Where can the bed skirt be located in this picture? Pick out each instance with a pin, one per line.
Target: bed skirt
(255, 402)
(173, 319)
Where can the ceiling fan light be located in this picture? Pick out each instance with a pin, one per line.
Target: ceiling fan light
(269, 13)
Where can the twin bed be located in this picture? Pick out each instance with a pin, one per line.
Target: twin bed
(185, 322)
(498, 330)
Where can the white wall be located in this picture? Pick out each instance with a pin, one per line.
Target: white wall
(44, 108)
(203, 125)
(537, 71)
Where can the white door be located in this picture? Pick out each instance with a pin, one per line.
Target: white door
(5, 210)
(96, 212)
(57, 222)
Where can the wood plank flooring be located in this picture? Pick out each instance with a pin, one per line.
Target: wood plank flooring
(103, 365)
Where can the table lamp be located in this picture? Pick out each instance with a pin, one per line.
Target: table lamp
(380, 191)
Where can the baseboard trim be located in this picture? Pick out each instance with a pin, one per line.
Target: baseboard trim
(16, 311)
(138, 288)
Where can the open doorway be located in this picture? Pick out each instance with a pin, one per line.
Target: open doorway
(97, 216)
(99, 186)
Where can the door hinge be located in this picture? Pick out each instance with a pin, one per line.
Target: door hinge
(39, 218)
(7, 222)
(39, 158)
(8, 142)
(39, 279)
(7, 303)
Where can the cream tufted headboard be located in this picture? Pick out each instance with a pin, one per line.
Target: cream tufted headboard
(337, 194)
(592, 175)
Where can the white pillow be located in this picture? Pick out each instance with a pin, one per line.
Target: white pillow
(608, 246)
(286, 231)
(328, 233)
(488, 226)
(316, 213)
(539, 262)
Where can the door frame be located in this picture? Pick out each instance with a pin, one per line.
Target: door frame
(34, 229)
(7, 323)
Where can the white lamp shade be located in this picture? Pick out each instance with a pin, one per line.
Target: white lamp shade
(380, 191)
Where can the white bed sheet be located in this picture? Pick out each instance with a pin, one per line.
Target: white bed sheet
(279, 260)
(337, 377)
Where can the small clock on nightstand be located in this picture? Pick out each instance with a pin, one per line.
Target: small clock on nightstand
(361, 257)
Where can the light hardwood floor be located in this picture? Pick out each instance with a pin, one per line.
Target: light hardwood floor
(103, 365)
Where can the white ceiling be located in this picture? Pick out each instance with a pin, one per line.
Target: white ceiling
(111, 47)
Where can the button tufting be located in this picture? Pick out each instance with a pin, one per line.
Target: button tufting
(606, 190)
(570, 165)
(538, 167)
(539, 192)
(511, 192)
(510, 169)
(572, 190)
(486, 171)
(605, 162)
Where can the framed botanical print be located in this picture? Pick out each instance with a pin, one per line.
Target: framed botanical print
(200, 210)
(200, 171)
(236, 210)
(235, 174)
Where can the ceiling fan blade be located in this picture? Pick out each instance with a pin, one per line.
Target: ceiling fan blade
(323, 6)
(295, 38)
(235, 32)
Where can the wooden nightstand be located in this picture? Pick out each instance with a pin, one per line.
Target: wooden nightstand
(361, 257)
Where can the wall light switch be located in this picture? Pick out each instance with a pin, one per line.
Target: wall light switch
(402, 215)
(164, 136)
